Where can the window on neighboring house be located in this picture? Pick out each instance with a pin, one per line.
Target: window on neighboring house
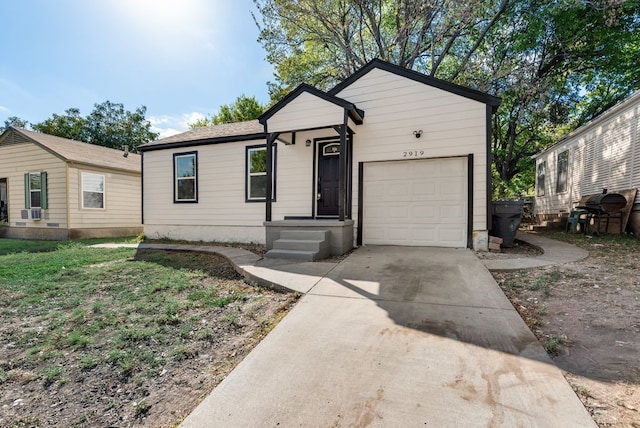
(185, 173)
(563, 171)
(542, 172)
(256, 177)
(92, 190)
(35, 185)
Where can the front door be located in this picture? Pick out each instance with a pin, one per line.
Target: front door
(328, 179)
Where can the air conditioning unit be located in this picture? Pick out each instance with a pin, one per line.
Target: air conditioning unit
(35, 214)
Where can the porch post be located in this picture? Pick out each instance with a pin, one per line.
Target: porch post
(342, 189)
(270, 139)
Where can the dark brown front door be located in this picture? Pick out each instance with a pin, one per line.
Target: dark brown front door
(328, 179)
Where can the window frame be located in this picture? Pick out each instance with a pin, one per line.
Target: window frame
(541, 178)
(44, 190)
(248, 174)
(31, 191)
(177, 156)
(82, 190)
(562, 172)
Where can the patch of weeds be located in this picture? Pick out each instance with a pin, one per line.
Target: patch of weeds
(97, 307)
(541, 311)
(205, 334)
(141, 409)
(542, 285)
(553, 345)
(232, 320)
(511, 285)
(3, 376)
(135, 335)
(122, 359)
(87, 362)
(51, 374)
(183, 352)
(76, 340)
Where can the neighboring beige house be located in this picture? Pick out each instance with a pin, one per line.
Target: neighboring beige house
(55, 188)
(389, 156)
(602, 154)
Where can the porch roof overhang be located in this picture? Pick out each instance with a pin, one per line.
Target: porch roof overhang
(308, 108)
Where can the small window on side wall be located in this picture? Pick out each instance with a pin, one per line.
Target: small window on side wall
(563, 171)
(256, 176)
(92, 191)
(35, 187)
(185, 177)
(540, 178)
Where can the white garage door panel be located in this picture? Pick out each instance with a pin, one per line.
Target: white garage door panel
(417, 202)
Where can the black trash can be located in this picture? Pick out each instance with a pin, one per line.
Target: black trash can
(506, 220)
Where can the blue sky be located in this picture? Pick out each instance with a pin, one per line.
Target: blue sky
(179, 58)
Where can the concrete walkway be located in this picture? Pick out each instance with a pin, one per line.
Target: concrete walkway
(389, 337)
(555, 252)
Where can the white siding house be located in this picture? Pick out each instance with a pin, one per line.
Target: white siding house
(389, 156)
(55, 188)
(602, 154)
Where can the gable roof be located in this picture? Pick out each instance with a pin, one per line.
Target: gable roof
(79, 152)
(355, 113)
(421, 78)
(224, 133)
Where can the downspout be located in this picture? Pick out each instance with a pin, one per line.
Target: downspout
(68, 197)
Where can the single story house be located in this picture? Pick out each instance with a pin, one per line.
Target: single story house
(56, 188)
(602, 154)
(389, 156)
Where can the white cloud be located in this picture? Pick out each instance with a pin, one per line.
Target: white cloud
(167, 125)
(4, 109)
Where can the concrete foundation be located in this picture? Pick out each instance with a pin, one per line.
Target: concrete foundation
(58, 234)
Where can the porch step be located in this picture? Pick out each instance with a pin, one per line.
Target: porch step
(307, 256)
(308, 245)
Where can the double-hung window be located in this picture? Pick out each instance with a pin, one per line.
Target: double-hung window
(92, 190)
(540, 179)
(35, 185)
(563, 171)
(185, 177)
(256, 174)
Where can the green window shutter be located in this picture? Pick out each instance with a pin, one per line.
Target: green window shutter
(44, 200)
(27, 196)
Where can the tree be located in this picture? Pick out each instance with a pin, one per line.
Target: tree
(108, 125)
(14, 121)
(542, 58)
(244, 108)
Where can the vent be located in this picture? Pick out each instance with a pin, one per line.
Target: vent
(24, 214)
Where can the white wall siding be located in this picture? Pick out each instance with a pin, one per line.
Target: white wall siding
(18, 159)
(395, 107)
(221, 191)
(602, 154)
(123, 205)
(305, 112)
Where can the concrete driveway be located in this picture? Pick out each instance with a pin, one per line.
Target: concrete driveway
(397, 337)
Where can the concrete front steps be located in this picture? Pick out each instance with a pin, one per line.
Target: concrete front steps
(305, 245)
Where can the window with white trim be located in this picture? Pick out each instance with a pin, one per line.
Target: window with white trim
(35, 190)
(542, 172)
(185, 172)
(92, 191)
(256, 174)
(563, 171)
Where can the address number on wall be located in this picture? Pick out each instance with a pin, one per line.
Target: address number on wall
(413, 153)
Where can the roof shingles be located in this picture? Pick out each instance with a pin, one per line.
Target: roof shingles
(85, 153)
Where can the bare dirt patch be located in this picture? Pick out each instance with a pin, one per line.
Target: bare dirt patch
(587, 315)
(112, 358)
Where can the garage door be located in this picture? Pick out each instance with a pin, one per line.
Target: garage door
(416, 202)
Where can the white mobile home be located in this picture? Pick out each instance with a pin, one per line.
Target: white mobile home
(55, 188)
(602, 154)
(389, 156)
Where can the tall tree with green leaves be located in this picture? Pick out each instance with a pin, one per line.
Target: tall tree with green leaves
(108, 125)
(243, 108)
(555, 64)
(14, 121)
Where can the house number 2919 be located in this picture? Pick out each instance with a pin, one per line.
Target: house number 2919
(413, 153)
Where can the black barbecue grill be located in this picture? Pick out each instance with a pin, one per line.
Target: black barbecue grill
(604, 207)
